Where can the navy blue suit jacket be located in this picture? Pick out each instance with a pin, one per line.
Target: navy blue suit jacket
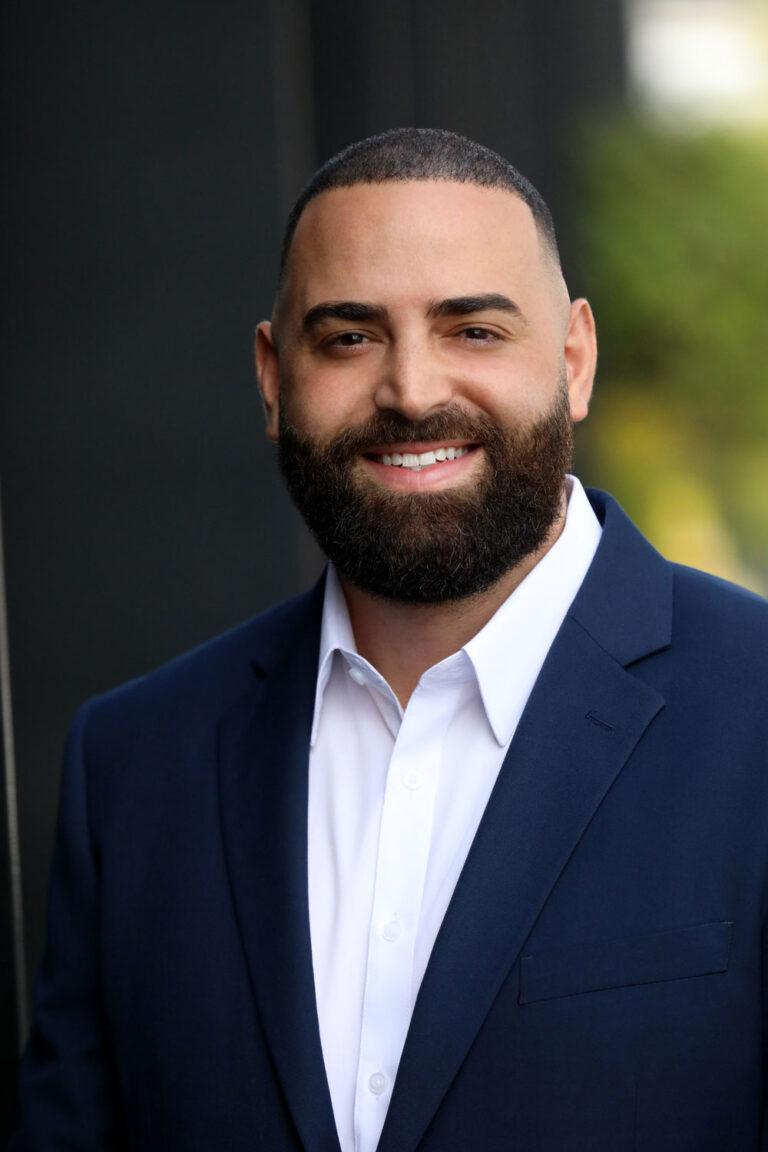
(598, 980)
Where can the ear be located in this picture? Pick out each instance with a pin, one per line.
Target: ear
(268, 376)
(580, 357)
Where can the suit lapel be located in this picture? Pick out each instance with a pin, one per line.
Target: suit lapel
(263, 759)
(583, 719)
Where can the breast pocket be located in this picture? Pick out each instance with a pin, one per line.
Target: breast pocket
(677, 954)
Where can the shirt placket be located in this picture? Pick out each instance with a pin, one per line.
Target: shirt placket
(405, 835)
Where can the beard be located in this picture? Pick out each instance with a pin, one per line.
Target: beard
(431, 547)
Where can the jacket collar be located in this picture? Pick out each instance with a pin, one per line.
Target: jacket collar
(625, 602)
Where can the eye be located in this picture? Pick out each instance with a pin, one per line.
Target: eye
(478, 335)
(346, 340)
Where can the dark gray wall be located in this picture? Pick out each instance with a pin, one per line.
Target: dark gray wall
(150, 151)
(515, 76)
(142, 510)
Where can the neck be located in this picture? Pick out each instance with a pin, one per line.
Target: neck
(403, 640)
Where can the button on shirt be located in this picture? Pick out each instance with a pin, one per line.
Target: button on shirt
(395, 799)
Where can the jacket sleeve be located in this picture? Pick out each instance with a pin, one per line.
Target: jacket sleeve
(67, 1087)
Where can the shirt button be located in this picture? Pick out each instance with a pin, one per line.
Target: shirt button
(357, 675)
(412, 779)
(392, 931)
(377, 1083)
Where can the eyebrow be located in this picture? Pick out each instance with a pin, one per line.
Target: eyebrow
(467, 305)
(356, 311)
(343, 310)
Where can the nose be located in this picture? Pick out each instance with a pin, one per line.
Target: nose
(413, 383)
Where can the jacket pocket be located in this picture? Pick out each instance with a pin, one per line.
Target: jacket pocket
(700, 950)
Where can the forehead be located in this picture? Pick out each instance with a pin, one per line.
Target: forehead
(416, 240)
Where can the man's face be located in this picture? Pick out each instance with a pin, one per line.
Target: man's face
(426, 369)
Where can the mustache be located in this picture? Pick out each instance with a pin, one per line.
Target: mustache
(390, 427)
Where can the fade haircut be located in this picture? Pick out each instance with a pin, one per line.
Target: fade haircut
(403, 154)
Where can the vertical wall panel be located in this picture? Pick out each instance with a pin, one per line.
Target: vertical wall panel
(143, 511)
(516, 77)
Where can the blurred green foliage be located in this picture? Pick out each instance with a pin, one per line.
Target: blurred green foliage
(672, 242)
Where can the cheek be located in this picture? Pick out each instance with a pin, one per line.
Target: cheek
(325, 402)
(509, 400)
(519, 390)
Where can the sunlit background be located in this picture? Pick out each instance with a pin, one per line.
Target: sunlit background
(673, 234)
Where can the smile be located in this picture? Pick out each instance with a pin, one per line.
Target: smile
(422, 467)
(416, 461)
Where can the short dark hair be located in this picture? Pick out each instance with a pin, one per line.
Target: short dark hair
(420, 154)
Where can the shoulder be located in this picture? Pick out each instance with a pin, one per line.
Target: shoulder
(635, 601)
(717, 659)
(624, 550)
(197, 686)
(715, 608)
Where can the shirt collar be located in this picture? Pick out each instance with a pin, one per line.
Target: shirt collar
(336, 635)
(507, 654)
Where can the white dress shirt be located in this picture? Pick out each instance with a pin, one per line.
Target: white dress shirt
(395, 799)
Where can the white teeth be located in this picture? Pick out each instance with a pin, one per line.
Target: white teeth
(416, 461)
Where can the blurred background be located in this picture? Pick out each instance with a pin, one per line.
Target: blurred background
(150, 155)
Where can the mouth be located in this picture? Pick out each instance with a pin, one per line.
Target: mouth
(422, 466)
(417, 457)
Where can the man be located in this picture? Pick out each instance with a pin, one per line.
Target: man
(466, 848)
